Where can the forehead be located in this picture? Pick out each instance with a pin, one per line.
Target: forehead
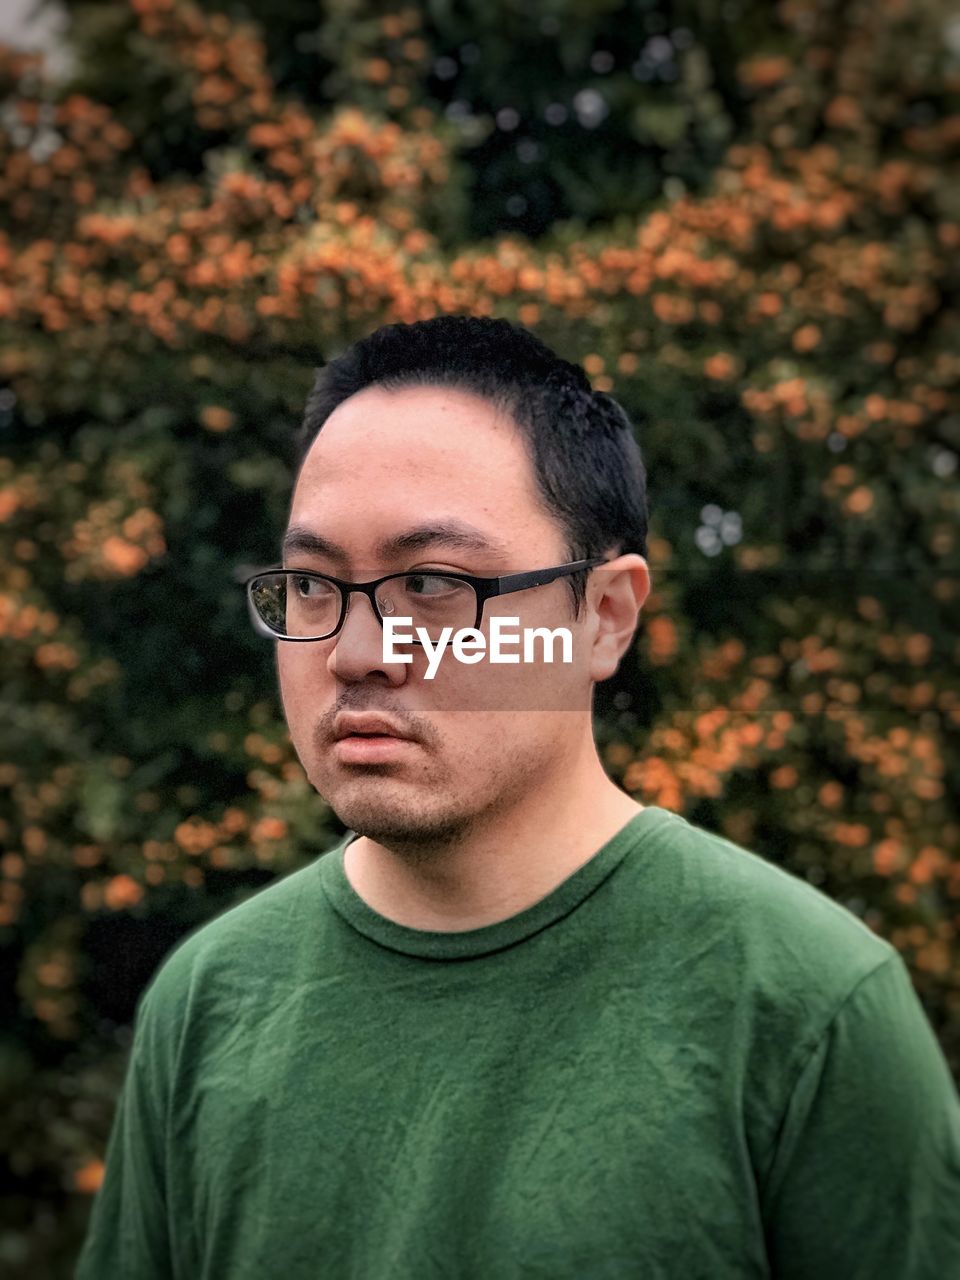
(418, 451)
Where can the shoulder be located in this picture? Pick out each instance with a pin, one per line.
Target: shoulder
(229, 957)
(768, 962)
(792, 944)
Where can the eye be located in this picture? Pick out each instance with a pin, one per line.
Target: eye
(432, 584)
(320, 589)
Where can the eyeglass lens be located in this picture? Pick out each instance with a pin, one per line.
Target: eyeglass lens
(306, 608)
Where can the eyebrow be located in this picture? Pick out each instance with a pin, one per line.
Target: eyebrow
(446, 533)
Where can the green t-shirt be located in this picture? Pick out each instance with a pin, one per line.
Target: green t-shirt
(683, 1062)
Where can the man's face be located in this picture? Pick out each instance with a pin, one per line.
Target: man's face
(386, 464)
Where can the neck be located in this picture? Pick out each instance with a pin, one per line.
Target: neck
(497, 871)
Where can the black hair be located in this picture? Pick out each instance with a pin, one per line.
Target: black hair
(587, 462)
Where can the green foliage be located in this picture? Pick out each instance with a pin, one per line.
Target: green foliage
(757, 255)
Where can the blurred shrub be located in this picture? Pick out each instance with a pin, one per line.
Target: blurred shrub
(193, 225)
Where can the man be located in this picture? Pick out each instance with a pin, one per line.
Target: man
(514, 1024)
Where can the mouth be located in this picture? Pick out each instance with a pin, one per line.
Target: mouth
(368, 737)
(371, 737)
(370, 748)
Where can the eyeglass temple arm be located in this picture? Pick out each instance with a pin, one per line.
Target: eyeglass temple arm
(539, 577)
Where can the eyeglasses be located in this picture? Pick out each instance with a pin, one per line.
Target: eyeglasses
(298, 604)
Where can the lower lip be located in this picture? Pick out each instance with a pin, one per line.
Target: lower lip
(373, 750)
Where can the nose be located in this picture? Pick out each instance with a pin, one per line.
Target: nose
(358, 650)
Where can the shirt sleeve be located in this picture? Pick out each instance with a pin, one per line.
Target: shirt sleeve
(865, 1180)
(127, 1236)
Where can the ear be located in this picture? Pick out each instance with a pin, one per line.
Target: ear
(616, 592)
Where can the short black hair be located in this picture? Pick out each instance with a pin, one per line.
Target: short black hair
(585, 454)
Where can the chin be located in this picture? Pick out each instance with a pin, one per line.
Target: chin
(395, 820)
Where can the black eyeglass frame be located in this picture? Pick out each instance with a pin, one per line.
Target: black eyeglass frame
(484, 588)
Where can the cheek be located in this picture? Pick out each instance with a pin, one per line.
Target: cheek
(515, 685)
(491, 742)
(302, 679)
